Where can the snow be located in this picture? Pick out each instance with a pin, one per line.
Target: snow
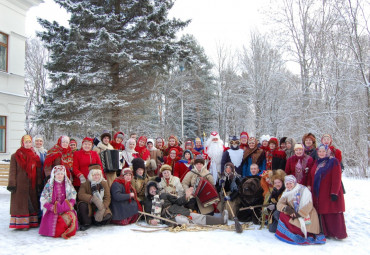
(111, 238)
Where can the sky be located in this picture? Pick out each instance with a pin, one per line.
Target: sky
(214, 22)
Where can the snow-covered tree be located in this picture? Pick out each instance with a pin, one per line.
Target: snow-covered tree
(106, 61)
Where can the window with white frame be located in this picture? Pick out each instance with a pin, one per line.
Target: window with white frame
(3, 52)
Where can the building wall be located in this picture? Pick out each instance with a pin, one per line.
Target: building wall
(12, 97)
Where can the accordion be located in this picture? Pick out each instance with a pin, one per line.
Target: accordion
(110, 160)
(205, 192)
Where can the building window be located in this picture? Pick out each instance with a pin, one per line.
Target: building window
(2, 134)
(3, 52)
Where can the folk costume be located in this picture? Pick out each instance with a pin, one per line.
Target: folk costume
(24, 180)
(58, 155)
(57, 200)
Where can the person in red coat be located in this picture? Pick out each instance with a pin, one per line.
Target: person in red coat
(117, 141)
(82, 159)
(173, 143)
(327, 192)
(299, 164)
(183, 166)
(141, 148)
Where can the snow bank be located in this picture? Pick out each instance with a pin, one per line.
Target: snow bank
(110, 239)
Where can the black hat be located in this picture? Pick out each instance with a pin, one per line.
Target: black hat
(137, 163)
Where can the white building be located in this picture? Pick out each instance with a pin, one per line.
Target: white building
(12, 58)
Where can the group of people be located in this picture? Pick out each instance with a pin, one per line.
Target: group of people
(294, 187)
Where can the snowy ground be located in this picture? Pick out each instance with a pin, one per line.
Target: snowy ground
(107, 239)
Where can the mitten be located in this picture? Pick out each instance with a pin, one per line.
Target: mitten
(333, 197)
(99, 215)
(227, 198)
(82, 178)
(99, 204)
(288, 210)
(12, 189)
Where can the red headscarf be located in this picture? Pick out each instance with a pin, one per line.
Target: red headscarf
(142, 150)
(66, 155)
(28, 160)
(117, 146)
(171, 161)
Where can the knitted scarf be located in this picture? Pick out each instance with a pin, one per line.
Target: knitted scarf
(58, 151)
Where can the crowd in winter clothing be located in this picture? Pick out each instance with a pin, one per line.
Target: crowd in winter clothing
(294, 188)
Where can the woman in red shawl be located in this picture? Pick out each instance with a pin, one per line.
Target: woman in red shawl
(144, 153)
(172, 158)
(124, 204)
(24, 180)
(60, 154)
(117, 141)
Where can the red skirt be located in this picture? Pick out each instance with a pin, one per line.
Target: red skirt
(126, 221)
(333, 225)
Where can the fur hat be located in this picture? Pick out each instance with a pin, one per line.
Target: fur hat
(126, 170)
(264, 138)
(106, 133)
(165, 167)
(275, 141)
(282, 140)
(298, 146)
(137, 163)
(278, 174)
(231, 165)
(199, 159)
(311, 136)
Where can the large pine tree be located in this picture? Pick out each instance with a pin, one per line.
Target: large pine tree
(106, 61)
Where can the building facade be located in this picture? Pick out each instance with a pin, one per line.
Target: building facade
(12, 59)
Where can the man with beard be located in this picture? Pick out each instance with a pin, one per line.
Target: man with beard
(233, 155)
(214, 150)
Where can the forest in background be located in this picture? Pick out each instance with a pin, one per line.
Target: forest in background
(120, 66)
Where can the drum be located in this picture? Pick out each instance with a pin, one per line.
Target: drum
(205, 192)
(110, 160)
